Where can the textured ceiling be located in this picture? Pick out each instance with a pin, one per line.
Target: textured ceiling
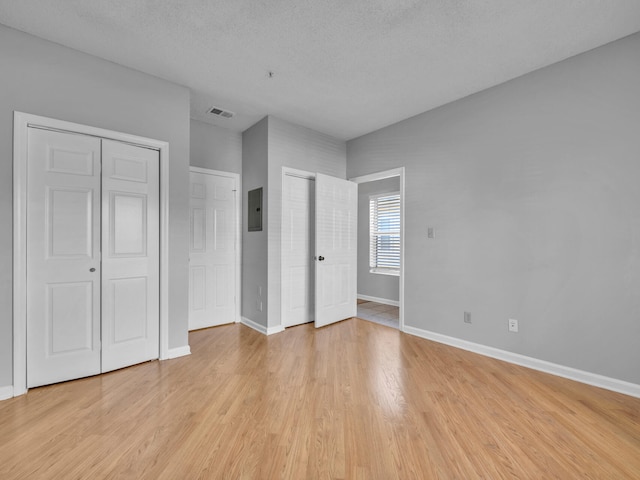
(343, 67)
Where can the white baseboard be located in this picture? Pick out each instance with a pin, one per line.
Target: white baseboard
(178, 352)
(6, 392)
(384, 301)
(581, 376)
(256, 326)
(261, 328)
(276, 329)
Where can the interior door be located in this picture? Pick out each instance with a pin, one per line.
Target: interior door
(298, 194)
(130, 254)
(336, 249)
(63, 257)
(212, 250)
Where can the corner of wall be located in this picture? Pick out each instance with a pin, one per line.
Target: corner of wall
(6, 392)
(255, 244)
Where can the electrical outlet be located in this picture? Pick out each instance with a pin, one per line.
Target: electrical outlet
(513, 325)
(431, 233)
(467, 317)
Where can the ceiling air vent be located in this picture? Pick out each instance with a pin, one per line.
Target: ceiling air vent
(220, 112)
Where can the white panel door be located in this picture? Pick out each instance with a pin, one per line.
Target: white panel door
(212, 250)
(336, 249)
(63, 257)
(298, 196)
(130, 253)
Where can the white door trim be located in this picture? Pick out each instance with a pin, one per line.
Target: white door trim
(21, 122)
(395, 172)
(294, 172)
(238, 228)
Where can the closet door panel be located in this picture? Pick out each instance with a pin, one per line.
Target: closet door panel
(130, 260)
(63, 257)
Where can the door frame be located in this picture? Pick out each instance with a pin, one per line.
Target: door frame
(21, 123)
(394, 172)
(237, 229)
(293, 172)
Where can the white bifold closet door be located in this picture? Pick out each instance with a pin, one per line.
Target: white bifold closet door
(92, 256)
(130, 255)
(63, 257)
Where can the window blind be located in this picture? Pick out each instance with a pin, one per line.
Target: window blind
(384, 232)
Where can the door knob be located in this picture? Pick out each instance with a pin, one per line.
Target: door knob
(320, 258)
(92, 269)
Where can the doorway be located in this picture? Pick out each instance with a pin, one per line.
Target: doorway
(214, 248)
(298, 247)
(381, 247)
(102, 199)
(318, 248)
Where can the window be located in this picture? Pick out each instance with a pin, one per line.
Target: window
(384, 233)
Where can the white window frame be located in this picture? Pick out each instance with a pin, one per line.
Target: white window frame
(374, 233)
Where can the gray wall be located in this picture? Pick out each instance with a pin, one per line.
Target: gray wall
(268, 146)
(46, 79)
(532, 187)
(215, 148)
(254, 244)
(373, 284)
(297, 147)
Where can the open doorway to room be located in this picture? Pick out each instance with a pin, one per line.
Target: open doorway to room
(318, 248)
(380, 247)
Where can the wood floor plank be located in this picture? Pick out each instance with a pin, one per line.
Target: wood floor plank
(352, 400)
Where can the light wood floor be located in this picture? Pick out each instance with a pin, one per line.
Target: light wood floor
(354, 400)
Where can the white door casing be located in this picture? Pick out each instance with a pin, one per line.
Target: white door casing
(298, 238)
(336, 249)
(63, 257)
(130, 249)
(213, 249)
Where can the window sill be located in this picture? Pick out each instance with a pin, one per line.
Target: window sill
(385, 271)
